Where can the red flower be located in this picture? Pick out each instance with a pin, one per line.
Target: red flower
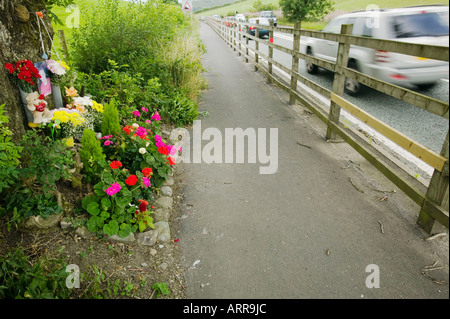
(115, 164)
(131, 180)
(147, 172)
(170, 161)
(143, 205)
(163, 150)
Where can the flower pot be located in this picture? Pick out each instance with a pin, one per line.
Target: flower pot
(29, 115)
(57, 96)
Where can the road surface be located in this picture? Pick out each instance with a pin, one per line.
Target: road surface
(317, 228)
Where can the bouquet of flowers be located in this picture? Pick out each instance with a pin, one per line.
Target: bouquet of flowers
(58, 69)
(26, 74)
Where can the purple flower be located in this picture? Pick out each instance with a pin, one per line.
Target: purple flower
(156, 116)
(115, 188)
(146, 182)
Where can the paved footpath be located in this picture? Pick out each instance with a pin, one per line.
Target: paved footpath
(308, 231)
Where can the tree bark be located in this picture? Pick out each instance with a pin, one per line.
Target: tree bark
(19, 39)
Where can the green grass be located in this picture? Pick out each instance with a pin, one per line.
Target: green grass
(62, 15)
(340, 6)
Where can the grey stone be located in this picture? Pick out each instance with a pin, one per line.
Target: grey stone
(37, 224)
(163, 266)
(147, 238)
(166, 191)
(164, 202)
(169, 182)
(83, 232)
(163, 231)
(127, 240)
(153, 252)
(162, 214)
(65, 225)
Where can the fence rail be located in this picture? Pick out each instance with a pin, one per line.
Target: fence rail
(433, 201)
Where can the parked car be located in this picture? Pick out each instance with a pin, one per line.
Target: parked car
(420, 24)
(230, 21)
(267, 16)
(240, 17)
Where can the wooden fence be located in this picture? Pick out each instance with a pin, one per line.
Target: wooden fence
(433, 200)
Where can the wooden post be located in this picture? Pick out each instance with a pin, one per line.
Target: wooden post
(339, 79)
(256, 44)
(296, 47)
(270, 53)
(234, 38)
(62, 40)
(437, 192)
(240, 38)
(246, 46)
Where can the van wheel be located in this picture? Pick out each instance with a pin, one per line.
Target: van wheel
(310, 67)
(352, 87)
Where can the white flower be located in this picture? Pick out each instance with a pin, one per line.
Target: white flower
(135, 125)
(55, 67)
(142, 150)
(86, 101)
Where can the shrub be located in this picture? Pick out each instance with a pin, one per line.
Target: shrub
(111, 121)
(9, 154)
(91, 153)
(45, 160)
(23, 278)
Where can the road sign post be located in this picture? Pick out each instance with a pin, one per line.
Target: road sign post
(187, 7)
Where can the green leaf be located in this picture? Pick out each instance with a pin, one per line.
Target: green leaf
(87, 200)
(111, 228)
(125, 230)
(93, 209)
(105, 203)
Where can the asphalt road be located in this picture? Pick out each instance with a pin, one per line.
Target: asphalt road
(305, 231)
(424, 127)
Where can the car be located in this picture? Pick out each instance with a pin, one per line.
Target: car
(251, 30)
(269, 16)
(240, 17)
(419, 24)
(230, 21)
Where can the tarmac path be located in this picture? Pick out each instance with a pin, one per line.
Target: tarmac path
(316, 228)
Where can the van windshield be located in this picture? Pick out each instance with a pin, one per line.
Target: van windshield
(421, 25)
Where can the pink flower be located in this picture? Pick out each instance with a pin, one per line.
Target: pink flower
(136, 113)
(158, 138)
(156, 116)
(172, 149)
(148, 121)
(146, 182)
(115, 188)
(107, 143)
(160, 144)
(144, 109)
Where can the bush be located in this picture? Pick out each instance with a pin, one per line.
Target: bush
(91, 153)
(111, 121)
(125, 34)
(22, 278)
(45, 160)
(9, 154)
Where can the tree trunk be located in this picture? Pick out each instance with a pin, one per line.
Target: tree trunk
(19, 39)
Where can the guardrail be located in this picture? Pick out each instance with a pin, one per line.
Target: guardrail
(433, 200)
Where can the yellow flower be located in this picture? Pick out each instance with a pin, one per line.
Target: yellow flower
(97, 106)
(69, 141)
(64, 65)
(71, 92)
